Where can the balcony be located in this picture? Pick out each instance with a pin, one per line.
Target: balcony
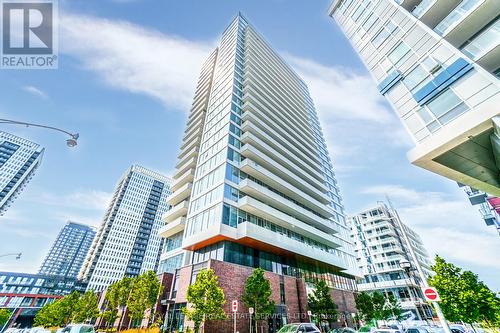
(431, 12)
(467, 19)
(264, 194)
(255, 154)
(176, 212)
(485, 47)
(173, 227)
(386, 284)
(318, 199)
(186, 177)
(185, 166)
(192, 153)
(258, 208)
(255, 232)
(277, 140)
(181, 194)
(294, 155)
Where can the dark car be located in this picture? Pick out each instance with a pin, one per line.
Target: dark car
(299, 328)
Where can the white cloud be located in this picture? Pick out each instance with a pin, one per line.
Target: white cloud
(83, 199)
(36, 91)
(340, 93)
(132, 58)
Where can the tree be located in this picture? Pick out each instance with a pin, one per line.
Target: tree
(123, 294)
(143, 295)
(321, 305)
(364, 305)
(257, 295)
(58, 313)
(376, 306)
(206, 299)
(112, 298)
(86, 308)
(463, 296)
(4, 316)
(392, 308)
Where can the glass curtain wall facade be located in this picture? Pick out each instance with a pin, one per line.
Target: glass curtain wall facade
(437, 62)
(381, 244)
(68, 253)
(263, 180)
(127, 242)
(19, 159)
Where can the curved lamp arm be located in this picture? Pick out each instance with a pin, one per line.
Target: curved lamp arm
(71, 142)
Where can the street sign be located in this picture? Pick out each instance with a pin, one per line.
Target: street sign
(250, 310)
(309, 313)
(234, 306)
(431, 294)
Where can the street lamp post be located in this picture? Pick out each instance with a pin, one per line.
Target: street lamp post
(18, 255)
(419, 270)
(70, 142)
(406, 266)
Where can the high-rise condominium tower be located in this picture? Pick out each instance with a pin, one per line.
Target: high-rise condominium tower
(67, 254)
(127, 242)
(254, 185)
(382, 242)
(438, 63)
(19, 159)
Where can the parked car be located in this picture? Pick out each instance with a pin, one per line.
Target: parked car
(386, 330)
(76, 328)
(298, 328)
(343, 330)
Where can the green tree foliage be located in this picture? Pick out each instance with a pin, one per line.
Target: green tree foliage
(257, 294)
(321, 304)
(376, 306)
(4, 316)
(463, 296)
(143, 295)
(206, 299)
(112, 298)
(58, 313)
(86, 308)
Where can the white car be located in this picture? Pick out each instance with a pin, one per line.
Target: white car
(77, 328)
(299, 328)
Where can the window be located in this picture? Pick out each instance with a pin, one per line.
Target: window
(416, 78)
(399, 54)
(447, 106)
(384, 33)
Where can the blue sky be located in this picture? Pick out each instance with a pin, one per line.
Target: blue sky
(127, 73)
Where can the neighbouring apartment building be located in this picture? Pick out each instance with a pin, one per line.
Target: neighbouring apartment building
(19, 159)
(127, 241)
(438, 64)
(25, 294)
(254, 187)
(67, 254)
(381, 242)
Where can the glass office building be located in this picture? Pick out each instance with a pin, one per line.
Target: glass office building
(19, 159)
(67, 254)
(254, 184)
(437, 63)
(127, 241)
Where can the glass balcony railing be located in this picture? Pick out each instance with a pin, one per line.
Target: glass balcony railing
(461, 11)
(422, 8)
(484, 42)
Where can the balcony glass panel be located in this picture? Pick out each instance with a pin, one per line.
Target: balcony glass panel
(485, 42)
(461, 11)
